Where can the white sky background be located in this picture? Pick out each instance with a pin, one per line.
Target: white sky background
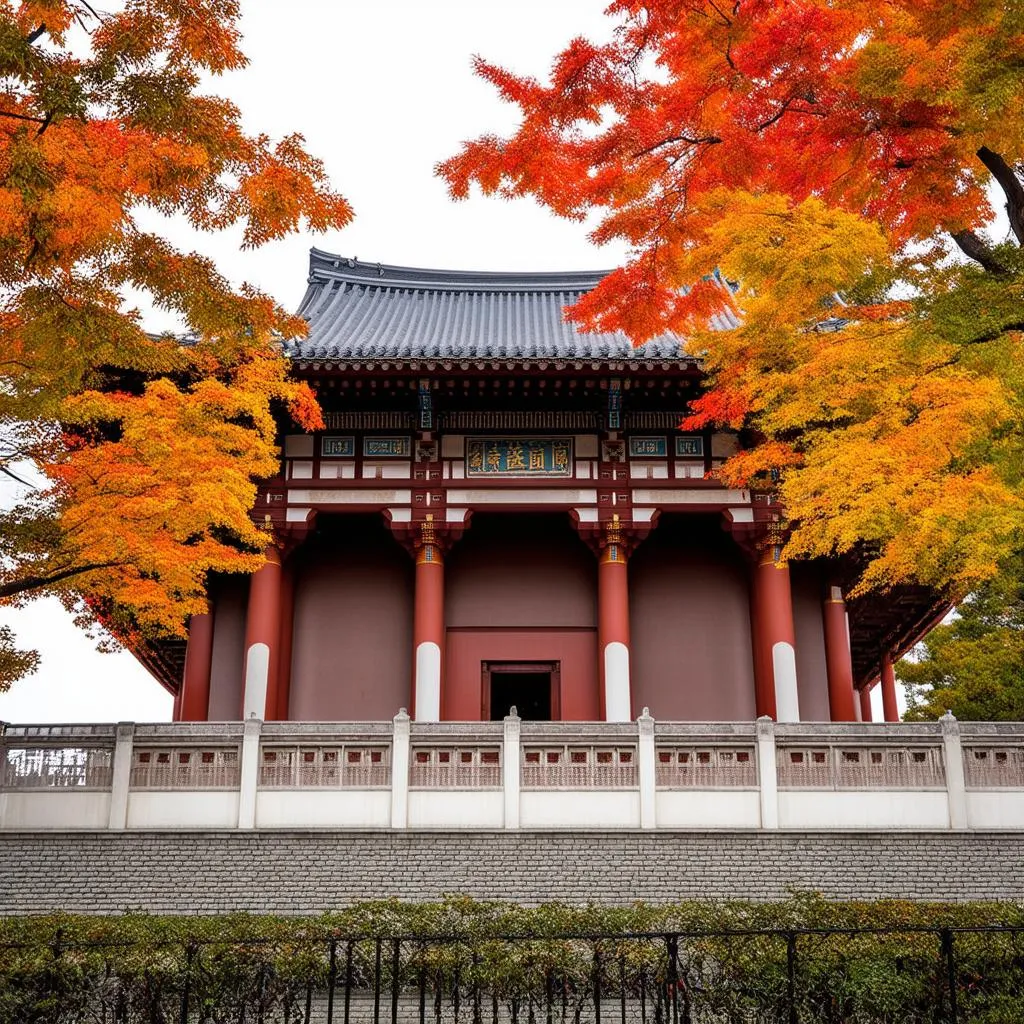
(381, 90)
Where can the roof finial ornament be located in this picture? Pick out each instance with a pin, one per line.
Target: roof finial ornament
(380, 270)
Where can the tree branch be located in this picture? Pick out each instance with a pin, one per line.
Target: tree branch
(33, 36)
(978, 249)
(997, 332)
(707, 140)
(22, 117)
(1011, 186)
(28, 583)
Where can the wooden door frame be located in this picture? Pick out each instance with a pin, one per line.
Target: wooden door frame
(552, 668)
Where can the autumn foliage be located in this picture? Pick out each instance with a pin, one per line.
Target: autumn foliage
(151, 445)
(810, 165)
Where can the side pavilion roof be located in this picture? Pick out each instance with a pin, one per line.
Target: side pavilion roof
(370, 311)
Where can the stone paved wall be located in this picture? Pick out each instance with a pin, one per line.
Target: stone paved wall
(304, 872)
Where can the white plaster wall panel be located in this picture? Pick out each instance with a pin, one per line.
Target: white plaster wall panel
(595, 808)
(301, 469)
(387, 470)
(350, 808)
(682, 496)
(690, 470)
(541, 496)
(587, 446)
(298, 446)
(583, 470)
(458, 471)
(453, 446)
(342, 497)
(707, 809)
(165, 809)
(42, 809)
(431, 808)
(886, 809)
(648, 470)
(995, 808)
(337, 470)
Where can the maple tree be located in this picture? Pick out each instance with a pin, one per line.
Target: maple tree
(151, 446)
(973, 665)
(809, 165)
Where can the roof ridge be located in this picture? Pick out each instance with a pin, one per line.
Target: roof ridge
(331, 266)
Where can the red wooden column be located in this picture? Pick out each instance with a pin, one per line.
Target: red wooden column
(613, 624)
(284, 652)
(176, 707)
(865, 703)
(428, 625)
(262, 638)
(838, 663)
(195, 686)
(889, 711)
(764, 685)
(775, 633)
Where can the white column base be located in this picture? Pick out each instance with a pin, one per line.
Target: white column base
(787, 703)
(616, 682)
(428, 682)
(257, 676)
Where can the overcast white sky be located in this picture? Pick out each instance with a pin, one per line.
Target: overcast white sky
(381, 90)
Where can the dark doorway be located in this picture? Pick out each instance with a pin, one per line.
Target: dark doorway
(530, 687)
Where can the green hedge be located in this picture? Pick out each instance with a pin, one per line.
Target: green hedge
(735, 961)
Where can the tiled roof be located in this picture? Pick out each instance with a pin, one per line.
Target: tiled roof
(373, 311)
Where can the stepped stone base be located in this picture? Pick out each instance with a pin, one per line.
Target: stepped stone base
(306, 872)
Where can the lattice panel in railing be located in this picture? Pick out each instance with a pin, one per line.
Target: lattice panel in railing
(57, 768)
(349, 766)
(860, 767)
(686, 767)
(992, 767)
(185, 768)
(575, 766)
(461, 767)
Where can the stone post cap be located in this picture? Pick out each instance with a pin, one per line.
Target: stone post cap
(402, 716)
(950, 725)
(252, 726)
(765, 726)
(513, 714)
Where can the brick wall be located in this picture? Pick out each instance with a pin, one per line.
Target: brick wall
(298, 872)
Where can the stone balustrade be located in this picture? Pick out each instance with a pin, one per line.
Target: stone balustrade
(513, 775)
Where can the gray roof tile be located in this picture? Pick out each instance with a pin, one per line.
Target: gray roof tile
(367, 311)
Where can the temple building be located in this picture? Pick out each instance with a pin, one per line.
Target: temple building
(504, 512)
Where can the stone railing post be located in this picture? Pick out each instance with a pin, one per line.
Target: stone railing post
(956, 785)
(400, 744)
(767, 774)
(121, 775)
(249, 772)
(510, 757)
(645, 770)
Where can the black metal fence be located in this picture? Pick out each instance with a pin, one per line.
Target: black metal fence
(859, 976)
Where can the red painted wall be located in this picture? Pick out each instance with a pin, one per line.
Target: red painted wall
(352, 644)
(690, 654)
(230, 597)
(811, 676)
(521, 588)
(467, 649)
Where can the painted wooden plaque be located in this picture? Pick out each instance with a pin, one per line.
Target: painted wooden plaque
(648, 447)
(691, 447)
(386, 447)
(338, 447)
(519, 456)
